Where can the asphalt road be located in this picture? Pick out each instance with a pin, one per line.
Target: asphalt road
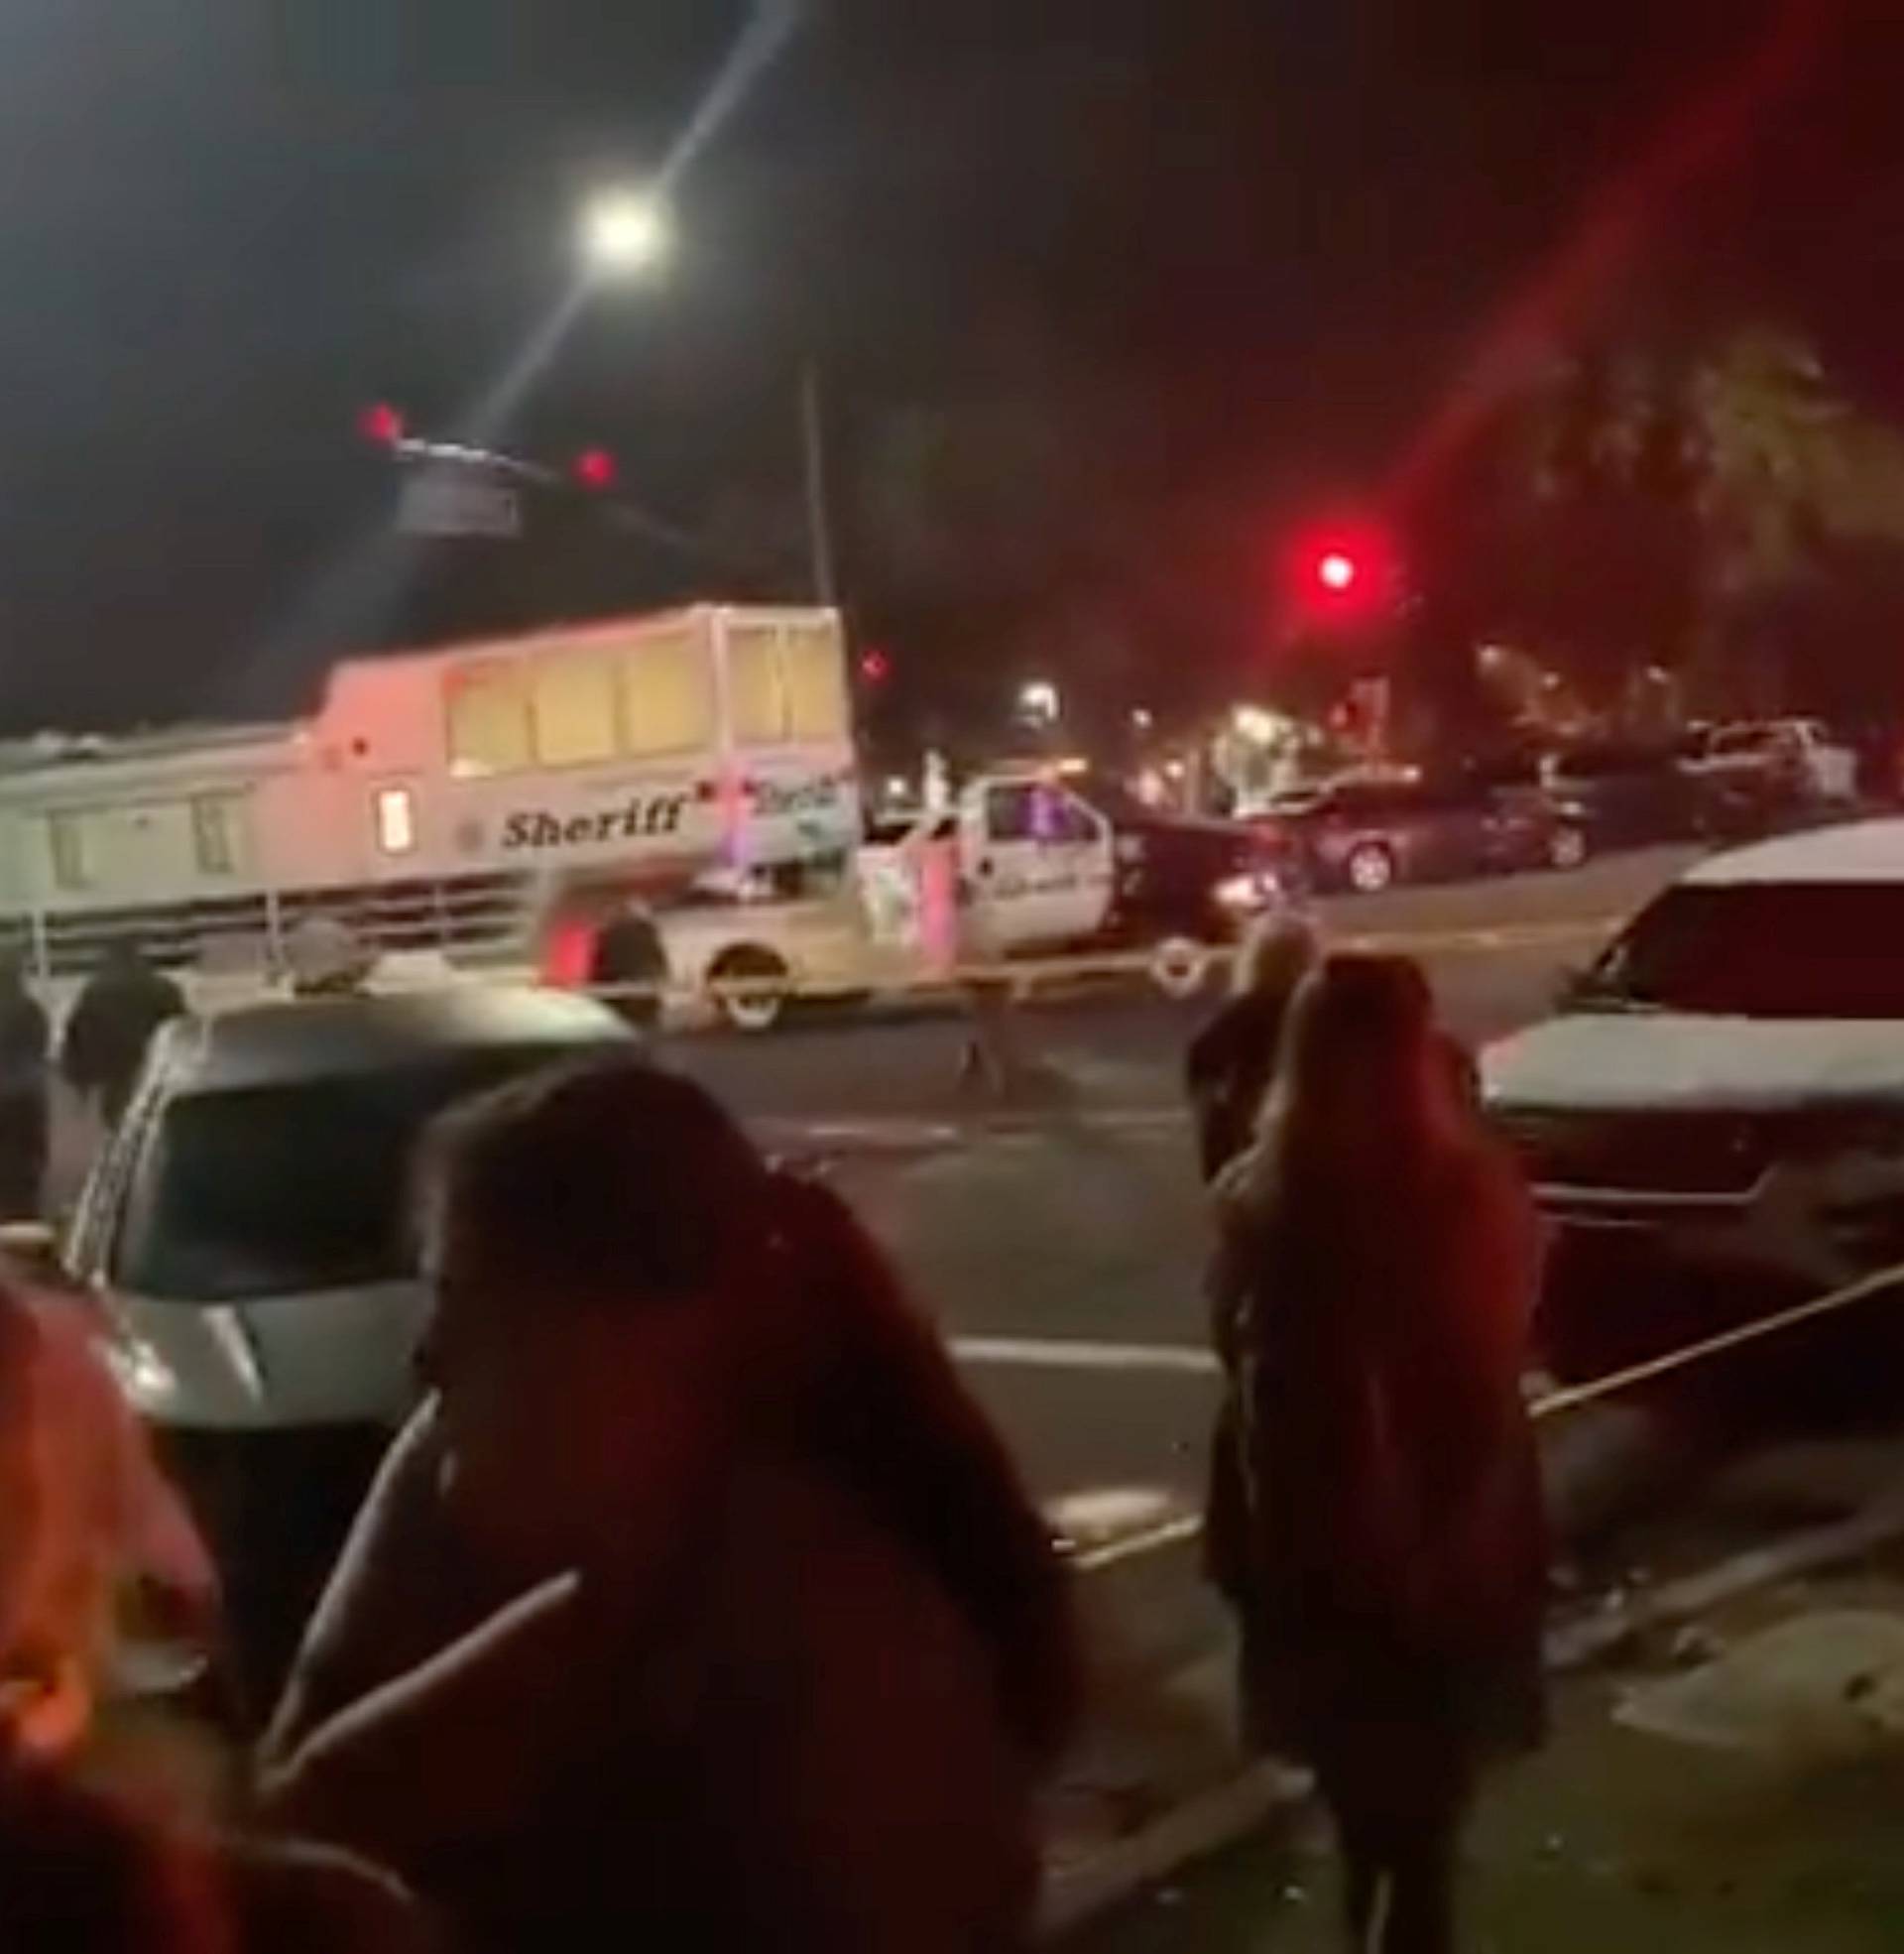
(1496, 950)
(1062, 1253)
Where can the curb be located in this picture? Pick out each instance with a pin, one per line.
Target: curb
(1075, 1894)
(1225, 1815)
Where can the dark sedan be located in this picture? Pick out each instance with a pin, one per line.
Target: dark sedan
(1366, 836)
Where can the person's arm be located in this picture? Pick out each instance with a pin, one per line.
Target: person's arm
(384, 1608)
(454, 1749)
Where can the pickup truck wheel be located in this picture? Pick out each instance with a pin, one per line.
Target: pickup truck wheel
(1567, 848)
(1370, 868)
(1179, 967)
(759, 1007)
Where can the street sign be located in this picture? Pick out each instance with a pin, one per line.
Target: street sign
(455, 499)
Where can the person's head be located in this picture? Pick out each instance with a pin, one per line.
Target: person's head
(1276, 957)
(1364, 1070)
(83, 1510)
(600, 1241)
(124, 956)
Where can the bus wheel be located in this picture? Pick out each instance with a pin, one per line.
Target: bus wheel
(762, 981)
(1179, 967)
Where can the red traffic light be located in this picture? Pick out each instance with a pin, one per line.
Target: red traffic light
(874, 668)
(381, 423)
(595, 468)
(1341, 571)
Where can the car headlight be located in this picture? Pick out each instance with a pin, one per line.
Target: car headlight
(1247, 892)
(142, 1375)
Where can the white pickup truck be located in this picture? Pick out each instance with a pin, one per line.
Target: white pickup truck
(1024, 865)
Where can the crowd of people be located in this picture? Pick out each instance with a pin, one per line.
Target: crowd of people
(699, 1605)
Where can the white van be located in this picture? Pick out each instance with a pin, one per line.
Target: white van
(1722, 1095)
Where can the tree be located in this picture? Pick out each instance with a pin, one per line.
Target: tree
(1679, 506)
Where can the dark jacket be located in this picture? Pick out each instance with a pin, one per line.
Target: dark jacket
(111, 1026)
(24, 1044)
(1227, 1072)
(788, 1736)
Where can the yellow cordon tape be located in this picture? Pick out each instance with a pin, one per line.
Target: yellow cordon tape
(1187, 1527)
(1573, 1395)
(1169, 960)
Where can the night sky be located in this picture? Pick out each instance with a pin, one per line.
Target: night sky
(1284, 226)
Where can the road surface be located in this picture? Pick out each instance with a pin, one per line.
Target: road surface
(1062, 1253)
(1063, 1256)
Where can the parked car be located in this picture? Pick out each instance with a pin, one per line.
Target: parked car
(1366, 835)
(1714, 1119)
(1626, 797)
(1793, 763)
(248, 1232)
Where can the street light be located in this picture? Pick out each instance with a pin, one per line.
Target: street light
(625, 234)
(1039, 701)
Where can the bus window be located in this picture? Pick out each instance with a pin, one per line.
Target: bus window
(575, 718)
(667, 694)
(814, 681)
(489, 730)
(216, 822)
(68, 846)
(756, 694)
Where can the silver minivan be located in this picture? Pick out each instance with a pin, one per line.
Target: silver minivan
(248, 1232)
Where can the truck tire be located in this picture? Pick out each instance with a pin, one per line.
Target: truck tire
(1179, 967)
(1369, 868)
(761, 1006)
(1568, 847)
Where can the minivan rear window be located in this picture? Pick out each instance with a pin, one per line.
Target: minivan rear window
(286, 1189)
(1763, 949)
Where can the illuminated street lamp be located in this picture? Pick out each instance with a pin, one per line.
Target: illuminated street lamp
(1038, 702)
(625, 234)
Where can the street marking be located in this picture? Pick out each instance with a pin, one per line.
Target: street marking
(1098, 1515)
(1069, 1354)
(1153, 1540)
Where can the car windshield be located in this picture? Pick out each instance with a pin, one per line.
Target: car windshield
(284, 1190)
(1827, 949)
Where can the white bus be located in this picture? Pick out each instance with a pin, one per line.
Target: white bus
(459, 801)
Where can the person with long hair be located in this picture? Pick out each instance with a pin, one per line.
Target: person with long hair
(698, 1605)
(1227, 1067)
(1379, 1263)
(1228, 1070)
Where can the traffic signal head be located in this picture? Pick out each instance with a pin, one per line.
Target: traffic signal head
(1344, 572)
(875, 666)
(595, 469)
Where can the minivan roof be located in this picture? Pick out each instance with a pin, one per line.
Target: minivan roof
(277, 1043)
(1853, 851)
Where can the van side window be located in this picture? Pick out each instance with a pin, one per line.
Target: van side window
(755, 692)
(68, 849)
(489, 719)
(667, 692)
(215, 820)
(575, 709)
